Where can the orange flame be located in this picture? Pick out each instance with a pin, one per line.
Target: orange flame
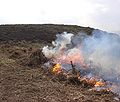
(57, 68)
(99, 84)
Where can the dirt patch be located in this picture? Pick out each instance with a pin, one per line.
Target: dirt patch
(36, 58)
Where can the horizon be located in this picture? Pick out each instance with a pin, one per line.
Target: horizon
(114, 32)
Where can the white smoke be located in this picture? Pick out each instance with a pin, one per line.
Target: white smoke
(104, 48)
(59, 45)
(100, 48)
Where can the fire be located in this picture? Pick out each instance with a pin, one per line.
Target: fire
(99, 84)
(92, 81)
(57, 68)
(87, 61)
(76, 57)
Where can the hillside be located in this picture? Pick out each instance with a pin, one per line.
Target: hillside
(44, 32)
(23, 78)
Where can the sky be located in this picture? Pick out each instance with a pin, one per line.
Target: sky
(100, 14)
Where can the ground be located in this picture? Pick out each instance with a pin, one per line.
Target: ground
(21, 81)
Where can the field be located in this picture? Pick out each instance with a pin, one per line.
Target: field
(22, 75)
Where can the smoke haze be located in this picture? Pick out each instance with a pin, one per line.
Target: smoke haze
(101, 48)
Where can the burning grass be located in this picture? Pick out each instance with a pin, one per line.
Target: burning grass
(74, 77)
(71, 52)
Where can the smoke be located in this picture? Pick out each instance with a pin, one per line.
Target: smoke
(59, 45)
(101, 50)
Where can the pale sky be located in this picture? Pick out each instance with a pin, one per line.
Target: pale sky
(101, 14)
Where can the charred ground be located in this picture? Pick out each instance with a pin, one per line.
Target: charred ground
(45, 32)
(22, 76)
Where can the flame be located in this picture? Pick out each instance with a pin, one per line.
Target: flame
(57, 68)
(75, 57)
(99, 84)
(92, 81)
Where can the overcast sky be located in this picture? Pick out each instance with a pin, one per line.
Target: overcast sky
(101, 14)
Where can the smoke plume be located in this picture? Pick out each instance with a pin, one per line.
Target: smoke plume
(101, 49)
